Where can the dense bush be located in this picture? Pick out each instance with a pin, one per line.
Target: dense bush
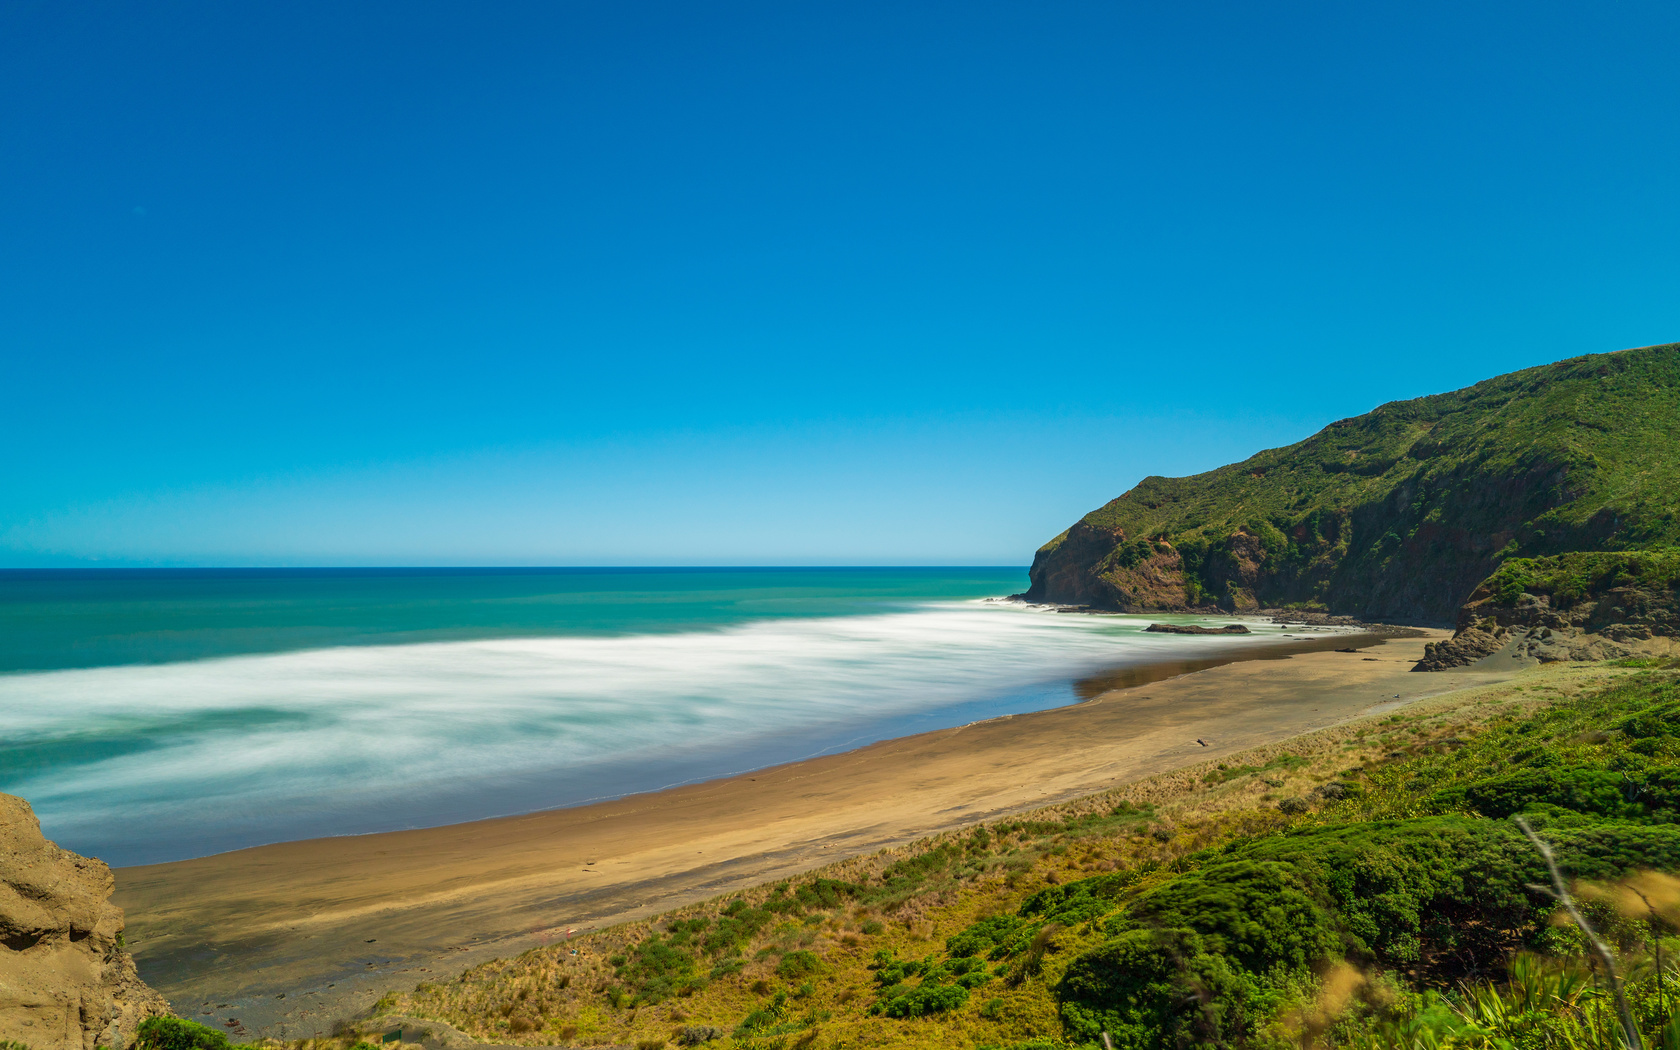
(1261, 913)
(175, 1033)
(1062, 902)
(817, 895)
(735, 927)
(657, 970)
(1201, 958)
(921, 1000)
(1658, 720)
(797, 964)
(1150, 988)
(983, 936)
(1569, 577)
(1583, 789)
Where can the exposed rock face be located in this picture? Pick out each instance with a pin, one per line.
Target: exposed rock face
(1621, 614)
(1598, 625)
(1175, 628)
(1462, 649)
(1100, 569)
(66, 981)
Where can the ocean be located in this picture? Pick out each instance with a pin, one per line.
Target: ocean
(153, 715)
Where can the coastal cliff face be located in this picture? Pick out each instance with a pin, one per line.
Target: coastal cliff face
(1400, 513)
(66, 981)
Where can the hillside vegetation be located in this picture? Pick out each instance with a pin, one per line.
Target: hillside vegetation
(1401, 512)
(1626, 593)
(1363, 886)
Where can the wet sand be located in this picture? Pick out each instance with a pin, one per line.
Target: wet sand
(330, 924)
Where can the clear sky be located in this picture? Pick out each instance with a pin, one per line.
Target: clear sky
(696, 283)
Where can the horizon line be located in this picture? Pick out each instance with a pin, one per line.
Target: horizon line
(492, 568)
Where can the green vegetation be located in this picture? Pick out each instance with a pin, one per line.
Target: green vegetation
(1389, 904)
(1566, 578)
(175, 1033)
(1400, 512)
(1222, 772)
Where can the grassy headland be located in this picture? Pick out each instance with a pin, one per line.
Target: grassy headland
(1324, 889)
(1401, 512)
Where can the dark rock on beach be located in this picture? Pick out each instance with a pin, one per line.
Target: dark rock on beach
(1173, 628)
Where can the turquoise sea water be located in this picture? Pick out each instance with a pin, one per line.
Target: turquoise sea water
(52, 619)
(153, 715)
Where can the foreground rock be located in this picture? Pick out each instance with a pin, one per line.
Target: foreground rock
(66, 981)
(1462, 649)
(1174, 628)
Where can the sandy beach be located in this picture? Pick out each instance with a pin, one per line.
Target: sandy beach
(290, 937)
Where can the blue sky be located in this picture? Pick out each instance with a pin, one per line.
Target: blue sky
(641, 283)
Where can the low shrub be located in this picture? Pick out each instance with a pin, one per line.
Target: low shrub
(656, 970)
(983, 936)
(176, 1033)
(795, 965)
(922, 1000)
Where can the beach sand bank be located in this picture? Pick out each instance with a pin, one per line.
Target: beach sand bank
(290, 937)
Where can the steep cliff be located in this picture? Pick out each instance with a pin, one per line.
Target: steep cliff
(1398, 514)
(66, 981)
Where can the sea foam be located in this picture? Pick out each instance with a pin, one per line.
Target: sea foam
(146, 763)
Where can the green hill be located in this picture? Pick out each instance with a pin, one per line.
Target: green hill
(1401, 512)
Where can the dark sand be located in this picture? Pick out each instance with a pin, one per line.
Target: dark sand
(333, 923)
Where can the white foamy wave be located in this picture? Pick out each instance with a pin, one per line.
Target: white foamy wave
(234, 751)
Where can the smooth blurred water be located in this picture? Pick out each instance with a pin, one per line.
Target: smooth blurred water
(508, 691)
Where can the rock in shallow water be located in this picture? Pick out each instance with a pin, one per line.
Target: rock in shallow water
(1173, 628)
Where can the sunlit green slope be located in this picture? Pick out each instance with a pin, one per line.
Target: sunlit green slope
(1399, 513)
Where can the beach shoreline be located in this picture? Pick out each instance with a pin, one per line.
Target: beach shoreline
(293, 936)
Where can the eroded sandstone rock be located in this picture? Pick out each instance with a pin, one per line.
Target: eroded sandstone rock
(66, 981)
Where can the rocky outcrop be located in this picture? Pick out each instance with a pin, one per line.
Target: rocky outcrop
(1179, 628)
(1462, 649)
(1587, 605)
(1621, 614)
(1545, 644)
(1100, 568)
(66, 980)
